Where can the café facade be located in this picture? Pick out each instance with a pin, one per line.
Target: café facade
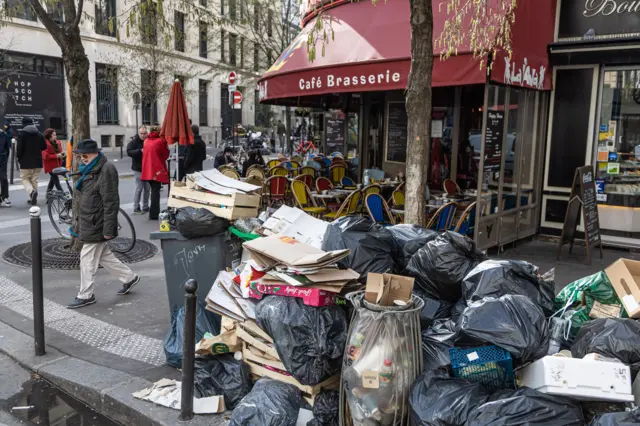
(488, 129)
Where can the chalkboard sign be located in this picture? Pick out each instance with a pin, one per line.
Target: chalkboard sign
(396, 132)
(334, 135)
(493, 140)
(583, 197)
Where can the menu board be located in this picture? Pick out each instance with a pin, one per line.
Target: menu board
(396, 132)
(334, 135)
(493, 140)
(583, 197)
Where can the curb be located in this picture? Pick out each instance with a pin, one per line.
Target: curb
(106, 390)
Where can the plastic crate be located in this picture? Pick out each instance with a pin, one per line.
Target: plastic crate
(243, 235)
(490, 365)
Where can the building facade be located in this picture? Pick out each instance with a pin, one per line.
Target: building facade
(140, 66)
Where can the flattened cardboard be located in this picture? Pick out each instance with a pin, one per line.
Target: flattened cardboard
(624, 275)
(290, 252)
(384, 289)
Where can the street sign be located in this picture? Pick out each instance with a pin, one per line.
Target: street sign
(232, 77)
(237, 97)
(232, 88)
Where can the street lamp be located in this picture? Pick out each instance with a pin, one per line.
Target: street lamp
(136, 106)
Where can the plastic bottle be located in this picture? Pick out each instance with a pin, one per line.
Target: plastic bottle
(386, 373)
(366, 179)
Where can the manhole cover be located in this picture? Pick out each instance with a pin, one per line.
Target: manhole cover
(57, 254)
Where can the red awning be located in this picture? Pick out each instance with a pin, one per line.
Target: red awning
(371, 51)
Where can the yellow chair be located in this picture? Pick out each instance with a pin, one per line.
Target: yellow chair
(295, 167)
(336, 173)
(278, 171)
(371, 189)
(229, 172)
(304, 199)
(256, 171)
(349, 206)
(308, 170)
(397, 198)
(273, 163)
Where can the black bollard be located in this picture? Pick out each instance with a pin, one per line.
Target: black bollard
(189, 349)
(36, 276)
(121, 150)
(12, 162)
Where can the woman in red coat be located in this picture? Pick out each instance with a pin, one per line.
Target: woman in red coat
(154, 168)
(52, 158)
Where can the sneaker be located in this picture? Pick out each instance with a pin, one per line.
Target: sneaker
(79, 303)
(5, 203)
(126, 287)
(34, 198)
(137, 211)
(145, 210)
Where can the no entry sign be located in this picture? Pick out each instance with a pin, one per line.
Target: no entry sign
(237, 97)
(232, 77)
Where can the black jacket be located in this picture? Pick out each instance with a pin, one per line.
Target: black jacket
(31, 143)
(134, 150)
(5, 146)
(98, 202)
(221, 160)
(195, 155)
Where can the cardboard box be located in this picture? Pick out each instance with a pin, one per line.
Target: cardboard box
(385, 289)
(309, 296)
(283, 250)
(624, 275)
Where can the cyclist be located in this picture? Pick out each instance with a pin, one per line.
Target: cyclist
(96, 195)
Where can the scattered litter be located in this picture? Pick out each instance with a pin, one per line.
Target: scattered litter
(167, 393)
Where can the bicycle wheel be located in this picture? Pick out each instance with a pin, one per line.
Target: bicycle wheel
(60, 214)
(126, 238)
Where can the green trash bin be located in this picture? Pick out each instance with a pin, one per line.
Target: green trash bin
(198, 258)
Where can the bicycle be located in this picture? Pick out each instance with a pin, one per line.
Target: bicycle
(59, 207)
(305, 148)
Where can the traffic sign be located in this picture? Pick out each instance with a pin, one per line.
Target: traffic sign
(232, 77)
(232, 88)
(237, 97)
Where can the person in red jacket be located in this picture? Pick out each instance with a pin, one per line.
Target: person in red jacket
(154, 168)
(52, 158)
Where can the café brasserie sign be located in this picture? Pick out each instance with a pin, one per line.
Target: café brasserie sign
(599, 19)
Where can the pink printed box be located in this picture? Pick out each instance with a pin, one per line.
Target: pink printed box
(309, 296)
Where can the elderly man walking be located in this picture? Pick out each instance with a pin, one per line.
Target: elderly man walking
(96, 196)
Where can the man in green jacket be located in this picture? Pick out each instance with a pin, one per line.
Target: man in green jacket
(96, 196)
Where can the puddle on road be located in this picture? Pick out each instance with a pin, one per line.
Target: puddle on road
(40, 403)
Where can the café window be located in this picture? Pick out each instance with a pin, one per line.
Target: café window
(203, 39)
(233, 41)
(149, 95)
(107, 94)
(179, 33)
(618, 148)
(20, 9)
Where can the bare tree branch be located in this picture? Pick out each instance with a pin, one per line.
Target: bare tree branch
(78, 17)
(53, 28)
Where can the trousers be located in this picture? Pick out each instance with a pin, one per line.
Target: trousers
(142, 192)
(92, 256)
(154, 208)
(4, 182)
(54, 181)
(29, 178)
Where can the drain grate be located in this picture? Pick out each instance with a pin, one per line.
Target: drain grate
(57, 254)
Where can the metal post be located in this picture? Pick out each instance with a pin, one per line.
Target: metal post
(121, 149)
(12, 161)
(233, 125)
(36, 276)
(188, 349)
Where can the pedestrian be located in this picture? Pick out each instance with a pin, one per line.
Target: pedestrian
(255, 157)
(282, 135)
(224, 158)
(143, 189)
(31, 143)
(196, 153)
(96, 195)
(154, 168)
(5, 149)
(52, 158)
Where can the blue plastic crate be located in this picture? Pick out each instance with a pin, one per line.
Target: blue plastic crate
(490, 365)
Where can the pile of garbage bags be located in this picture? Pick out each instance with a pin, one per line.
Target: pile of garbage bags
(222, 375)
(270, 403)
(195, 223)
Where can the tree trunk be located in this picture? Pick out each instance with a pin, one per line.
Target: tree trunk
(418, 105)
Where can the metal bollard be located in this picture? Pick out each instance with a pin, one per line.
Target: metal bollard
(36, 274)
(189, 349)
(121, 150)
(12, 161)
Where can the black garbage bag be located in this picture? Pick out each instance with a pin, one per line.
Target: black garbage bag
(458, 309)
(627, 418)
(436, 342)
(512, 322)
(195, 223)
(438, 400)
(373, 248)
(433, 309)
(440, 266)
(611, 337)
(206, 322)
(310, 341)
(326, 409)
(526, 407)
(495, 278)
(410, 239)
(222, 375)
(270, 403)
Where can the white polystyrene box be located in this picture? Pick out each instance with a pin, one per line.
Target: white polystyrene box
(580, 379)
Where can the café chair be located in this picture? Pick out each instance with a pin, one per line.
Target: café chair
(304, 200)
(229, 172)
(443, 218)
(349, 206)
(255, 170)
(336, 173)
(273, 163)
(278, 171)
(347, 181)
(276, 190)
(308, 170)
(295, 167)
(323, 184)
(378, 209)
(255, 180)
(371, 189)
(450, 187)
(397, 198)
(307, 179)
(466, 223)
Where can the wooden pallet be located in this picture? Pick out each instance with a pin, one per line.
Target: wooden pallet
(230, 207)
(260, 354)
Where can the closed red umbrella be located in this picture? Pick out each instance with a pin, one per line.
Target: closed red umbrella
(176, 126)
